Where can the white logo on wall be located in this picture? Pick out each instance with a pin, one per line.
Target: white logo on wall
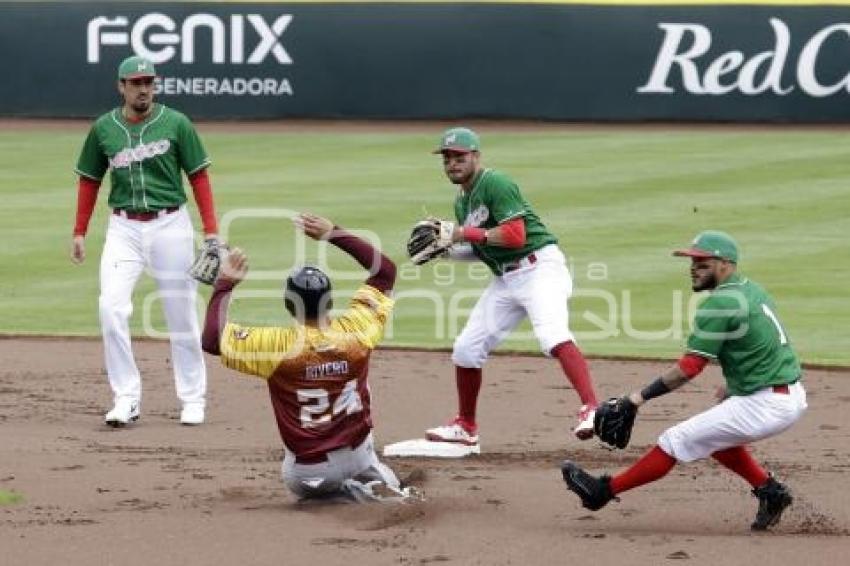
(155, 37)
(733, 71)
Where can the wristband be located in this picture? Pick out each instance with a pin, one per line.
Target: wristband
(225, 285)
(474, 235)
(655, 389)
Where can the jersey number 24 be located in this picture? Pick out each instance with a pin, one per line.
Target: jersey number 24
(316, 408)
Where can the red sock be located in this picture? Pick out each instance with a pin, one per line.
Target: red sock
(468, 385)
(740, 461)
(575, 368)
(652, 466)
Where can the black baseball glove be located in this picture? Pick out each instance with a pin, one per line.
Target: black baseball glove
(208, 261)
(429, 239)
(614, 420)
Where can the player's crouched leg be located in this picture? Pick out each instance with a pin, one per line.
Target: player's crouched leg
(379, 484)
(375, 482)
(309, 481)
(346, 475)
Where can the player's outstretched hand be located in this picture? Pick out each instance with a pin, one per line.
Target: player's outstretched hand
(234, 268)
(314, 226)
(78, 249)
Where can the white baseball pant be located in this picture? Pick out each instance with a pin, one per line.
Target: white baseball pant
(538, 290)
(736, 421)
(325, 479)
(165, 246)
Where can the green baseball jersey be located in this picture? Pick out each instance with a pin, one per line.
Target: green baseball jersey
(493, 199)
(737, 325)
(145, 158)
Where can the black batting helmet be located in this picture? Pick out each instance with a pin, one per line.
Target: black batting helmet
(308, 293)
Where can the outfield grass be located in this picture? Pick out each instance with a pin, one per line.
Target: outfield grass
(619, 200)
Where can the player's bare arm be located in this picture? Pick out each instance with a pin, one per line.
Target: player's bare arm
(688, 367)
(671, 379)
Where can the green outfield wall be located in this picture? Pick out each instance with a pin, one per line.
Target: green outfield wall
(551, 61)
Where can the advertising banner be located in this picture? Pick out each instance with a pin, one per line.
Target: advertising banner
(433, 60)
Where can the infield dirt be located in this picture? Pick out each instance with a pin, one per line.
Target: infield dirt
(161, 493)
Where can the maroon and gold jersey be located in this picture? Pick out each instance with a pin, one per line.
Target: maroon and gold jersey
(317, 377)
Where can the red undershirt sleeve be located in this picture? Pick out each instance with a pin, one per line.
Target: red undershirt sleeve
(202, 190)
(513, 233)
(691, 365)
(86, 198)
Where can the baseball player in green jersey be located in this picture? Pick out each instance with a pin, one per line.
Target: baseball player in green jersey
(737, 326)
(146, 146)
(498, 226)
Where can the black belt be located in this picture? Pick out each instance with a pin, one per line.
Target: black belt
(144, 216)
(508, 267)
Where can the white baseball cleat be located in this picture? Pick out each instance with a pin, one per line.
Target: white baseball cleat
(456, 431)
(584, 428)
(192, 414)
(124, 411)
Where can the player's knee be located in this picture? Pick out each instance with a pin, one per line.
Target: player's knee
(312, 488)
(665, 442)
(548, 343)
(301, 490)
(468, 355)
(674, 444)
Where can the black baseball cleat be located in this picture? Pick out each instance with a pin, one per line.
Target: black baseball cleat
(595, 493)
(773, 498)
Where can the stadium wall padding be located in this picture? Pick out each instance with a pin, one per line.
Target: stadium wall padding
(561, 62)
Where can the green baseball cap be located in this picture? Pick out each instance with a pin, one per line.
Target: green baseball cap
(712, 244)
(462, 140)
(136, 67)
